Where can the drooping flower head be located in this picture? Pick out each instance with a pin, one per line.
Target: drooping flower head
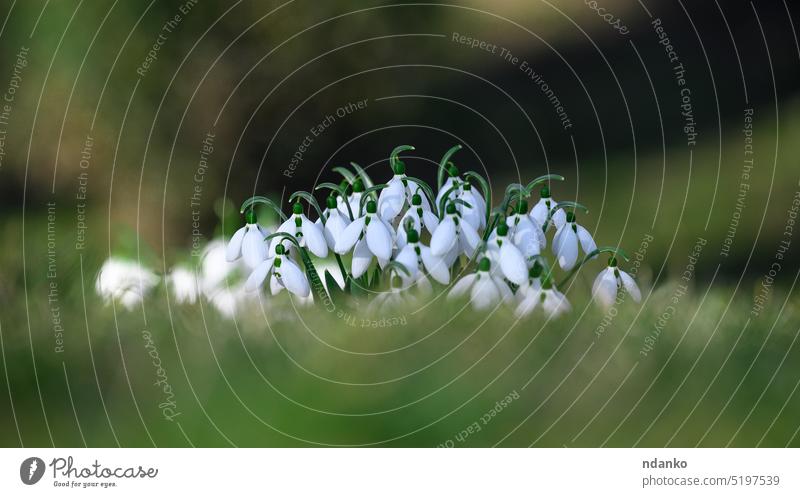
(335, 222)
(486, 291)
(418, 260)
(610, 281)
(541, 214)
(307, 233)
(454, 237)
(283, 273)
(371, 236)
(567, 239)
(248, 242)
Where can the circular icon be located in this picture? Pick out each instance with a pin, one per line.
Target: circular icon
(31, 470)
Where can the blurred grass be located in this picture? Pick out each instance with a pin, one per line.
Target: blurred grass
(285, 376)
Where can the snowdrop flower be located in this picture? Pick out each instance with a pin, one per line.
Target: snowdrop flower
(395, 297)
(453, 180)
(486, 291)
(453, 237)
(248, 242)
(371, 236)
(126, 282)
(417, 259)
(353, 200)
(417, 216)
(565, 243)
(553, 302)
(473, 213)
(528, 236)
(183, 283)
(542, 209)
(306, 232)
(504, 255)
(335, 223)
(609, 281)
(283, 272)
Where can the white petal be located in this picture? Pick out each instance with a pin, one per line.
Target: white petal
(430, 220)
(587, 243)
(408, 258)
(379, 239)
(527, 242)
(484, 293)
(448, 183)
(293, 278)
(315, 239)
(287, 226)
(254, 248)
(361, 259)
(539, 213)
(435, 266)
(350, 236)
(234, 249)
(258, 275)
(461, 286)
(444, 237)
(568, 249)
(470, 239)
(527, 305)
(604, 289)
(559, 218)
(275, 285)
(513, 263)
(505, 291)
(630, 286)
(334, 228)
(391, 199)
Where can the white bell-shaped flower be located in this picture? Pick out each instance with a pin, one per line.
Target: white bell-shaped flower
(534, 294)
(396, 296)
(335, 223)
(567, 239)
(454, 237)
(504, 255)
(610, 281)
(307, 233)
(184, 285)
(473, 208)
(527, 235)
(541, 211)
(367, 236)
(248, 242)
(123, 281)
(392, 198)
(417, 216)
(486, 291)
(418, 259)
(283, 273)
(353, 200)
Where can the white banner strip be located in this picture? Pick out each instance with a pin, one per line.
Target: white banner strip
(400, 472)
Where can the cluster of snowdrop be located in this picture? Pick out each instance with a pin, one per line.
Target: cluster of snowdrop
(499, 254)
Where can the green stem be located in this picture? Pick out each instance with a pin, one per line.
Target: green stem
(369, 191)
(250, 202)
(443, 164)
(311, 200)
(543, 179)
(364, 176)
(487, 192)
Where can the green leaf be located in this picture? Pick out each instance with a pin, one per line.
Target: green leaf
(364, 176)
(349, 176)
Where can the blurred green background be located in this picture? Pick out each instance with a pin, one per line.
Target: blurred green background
(108, 106)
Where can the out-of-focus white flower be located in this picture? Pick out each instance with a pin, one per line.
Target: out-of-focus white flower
(395, 297)
(454, 237)
(307, 233)
(565, 243)
(608, 283)
(371, 236)
(417, 216)
(283, 272)
(126, 282)
(540, 212)
(184, 285)
(485, 290)
(533, 294)
(335, 223)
